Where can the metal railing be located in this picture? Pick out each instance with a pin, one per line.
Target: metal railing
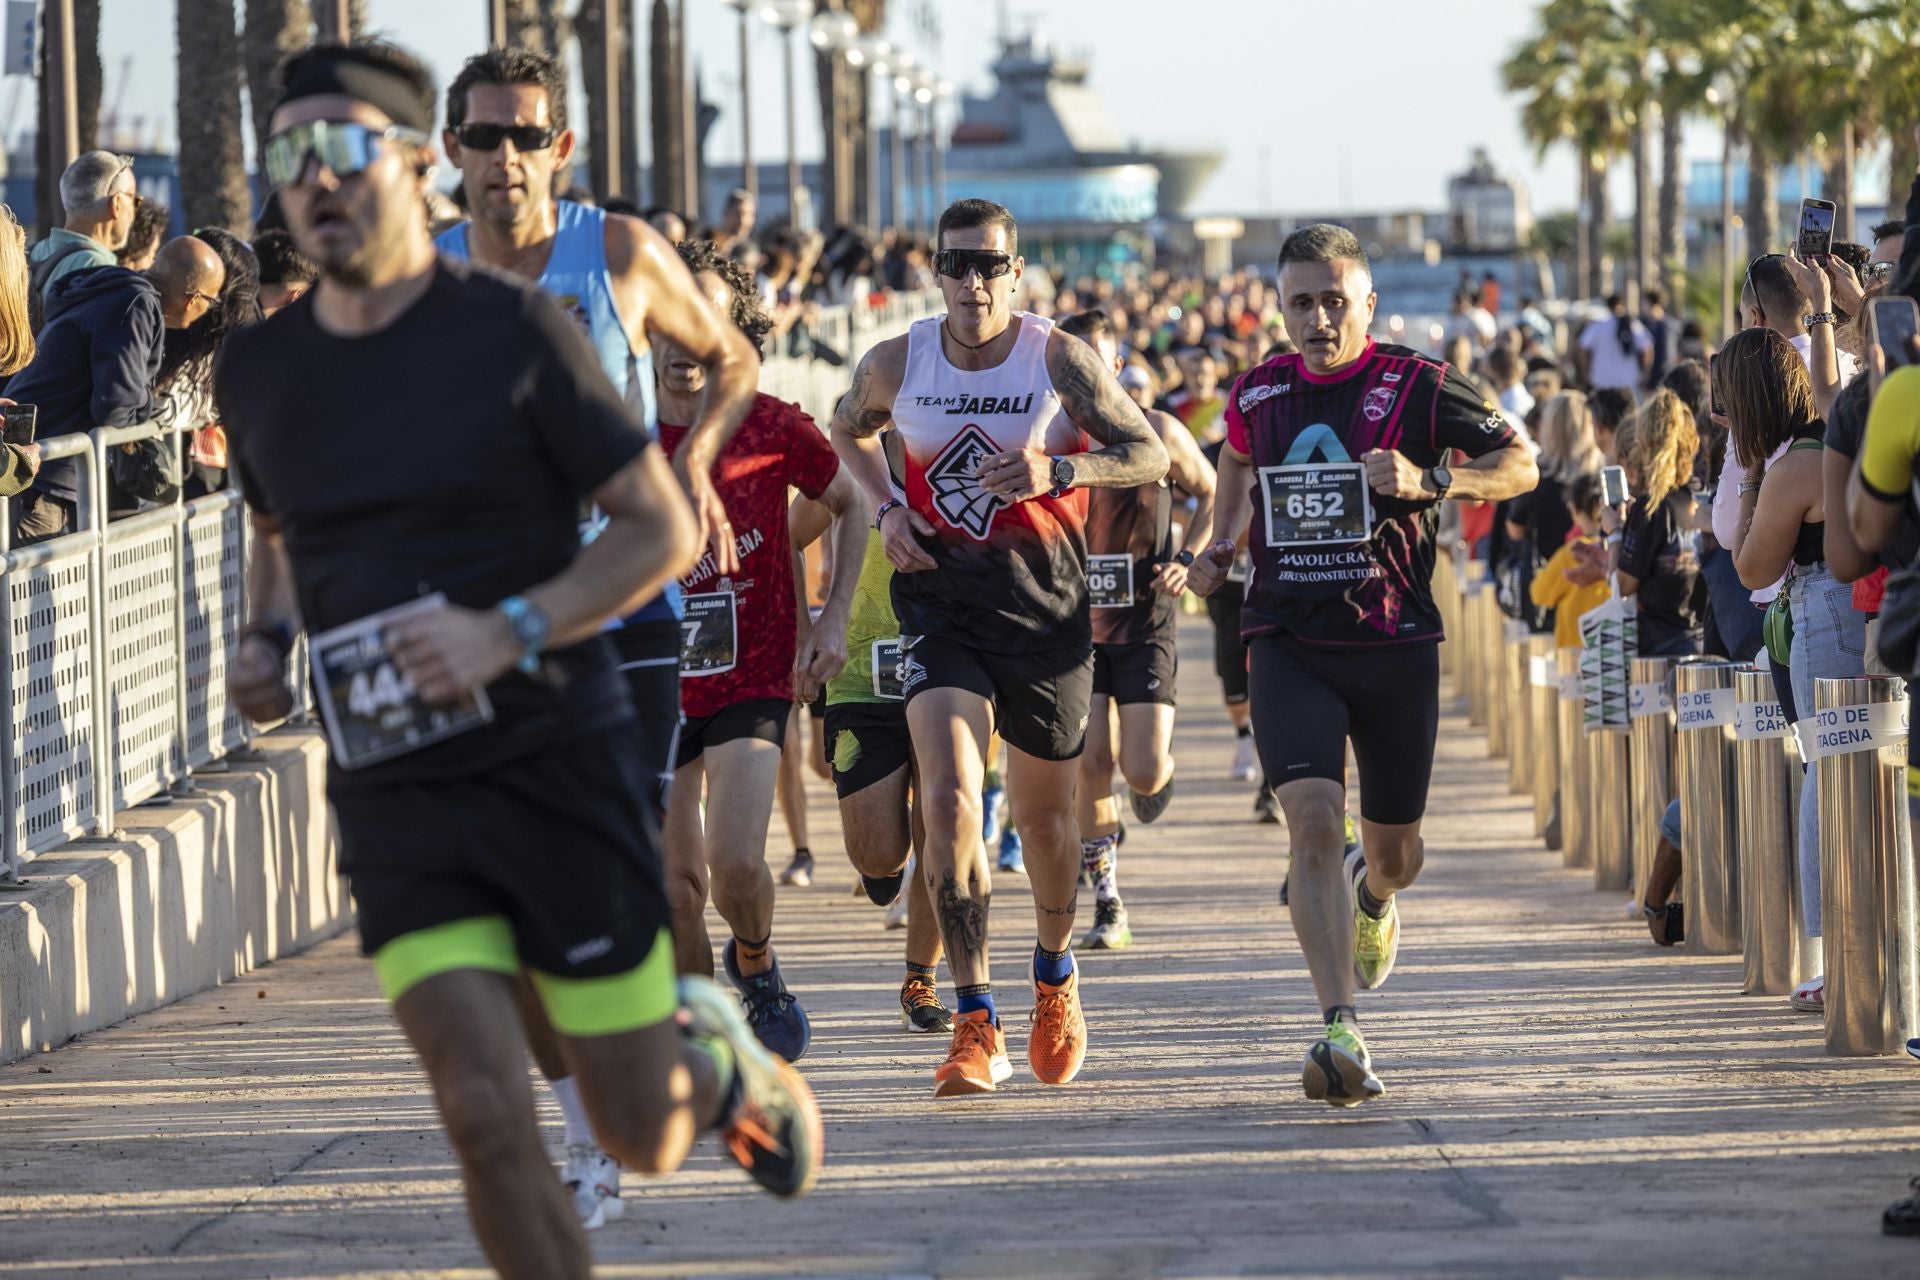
(816, 383)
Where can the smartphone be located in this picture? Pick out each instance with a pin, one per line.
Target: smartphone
(1892, 323)
(1613, 486)
(1713, 389)
(1816, 229)
(19, 420)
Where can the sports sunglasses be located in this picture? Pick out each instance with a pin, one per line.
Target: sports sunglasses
(958, 264)
(344, 147)
(488, 137)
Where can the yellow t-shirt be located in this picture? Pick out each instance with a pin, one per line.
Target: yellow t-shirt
(1893, 434)
(1568, 600)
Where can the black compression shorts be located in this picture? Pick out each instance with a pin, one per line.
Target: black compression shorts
(761, 718)
(867, 742)
(1308, 701)
(649, 655)
(1138, 670)
(1041, 698)
(560, 842)
(1229, 650)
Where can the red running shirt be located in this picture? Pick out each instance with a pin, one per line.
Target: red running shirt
(747, 649)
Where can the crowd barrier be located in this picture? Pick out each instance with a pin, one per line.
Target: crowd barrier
(1712, 734)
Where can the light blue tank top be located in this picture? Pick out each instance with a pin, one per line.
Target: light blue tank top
(577, 278)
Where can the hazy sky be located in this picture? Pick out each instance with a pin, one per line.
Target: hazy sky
(1356, 105)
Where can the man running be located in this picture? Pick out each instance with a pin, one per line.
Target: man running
(415, 439)
(1134, 578)
(989, 550)
(507, 134)
(1335, 460)
(738, 661)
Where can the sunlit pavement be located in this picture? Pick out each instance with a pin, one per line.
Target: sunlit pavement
(1563, 1099)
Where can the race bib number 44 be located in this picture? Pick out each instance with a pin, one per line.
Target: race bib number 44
(1110, 582)
(372, 712)
(708, 642)
(1317, 504)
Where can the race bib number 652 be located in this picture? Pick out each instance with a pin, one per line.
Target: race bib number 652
(1317, 504)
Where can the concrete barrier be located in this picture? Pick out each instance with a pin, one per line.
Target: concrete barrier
(190, 894)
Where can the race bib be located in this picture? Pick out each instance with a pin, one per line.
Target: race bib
(708, 641)
(1110, 582)
(372, 712)
(886, 670)
(1317, 504)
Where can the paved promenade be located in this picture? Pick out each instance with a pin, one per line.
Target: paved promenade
(1563, 1099)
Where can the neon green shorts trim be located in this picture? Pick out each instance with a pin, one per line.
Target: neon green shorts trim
(643, 996)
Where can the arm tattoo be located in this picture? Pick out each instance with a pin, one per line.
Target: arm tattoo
(1095, 403)
(963, 920)
(853, 414)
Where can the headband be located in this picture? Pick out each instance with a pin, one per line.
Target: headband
(320, 74)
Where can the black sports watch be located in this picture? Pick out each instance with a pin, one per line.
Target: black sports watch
(1440, 480)
(1183, 558)
(1062, 473)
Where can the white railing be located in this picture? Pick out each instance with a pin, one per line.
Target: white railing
(816, 384)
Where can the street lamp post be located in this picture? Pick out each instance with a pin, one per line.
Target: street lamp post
(62, 96)
(903, 63)
(788, 15)
(1720, 94)
(836, 33)
(331, 19)
(749, 172)
(941, 92)
(496, 24)
(877, 53)
(923, 144)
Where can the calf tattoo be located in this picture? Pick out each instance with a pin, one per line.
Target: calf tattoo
(1067, 910)
(963, 921)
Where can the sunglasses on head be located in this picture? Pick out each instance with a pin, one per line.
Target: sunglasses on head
(343, 147)
(488, 137)
(958, 264)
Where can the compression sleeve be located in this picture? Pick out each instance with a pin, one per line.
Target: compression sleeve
(1893, 435)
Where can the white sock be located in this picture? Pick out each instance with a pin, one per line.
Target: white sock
(566, 1092)
(1100, 859)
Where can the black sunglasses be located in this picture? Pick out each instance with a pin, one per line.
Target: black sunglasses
(488, 137)
(958, 264)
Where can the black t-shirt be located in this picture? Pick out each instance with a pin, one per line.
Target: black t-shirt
(1377, 589)
(1657, 549)
(1846, 428)
(447, 453)
(1544, 512)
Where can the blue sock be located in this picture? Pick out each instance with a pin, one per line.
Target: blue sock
(1052, 967)
(977, 997)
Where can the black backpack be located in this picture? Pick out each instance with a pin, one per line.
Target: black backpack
(37, 276)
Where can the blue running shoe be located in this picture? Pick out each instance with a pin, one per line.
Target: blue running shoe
(777, 1019)
(1012, 857)
(1913, 1048)
(993, 803)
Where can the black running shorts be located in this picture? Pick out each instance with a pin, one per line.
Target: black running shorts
(761, 718)
(867, 742)
(1229, 650)
(1041, 698)
(1138, 670)
(649, 654)
(560, 842)
(1308, 701)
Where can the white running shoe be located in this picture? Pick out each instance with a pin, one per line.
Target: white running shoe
(897, 913)
(1810, 996)
(592, 1180)
(1243, 769)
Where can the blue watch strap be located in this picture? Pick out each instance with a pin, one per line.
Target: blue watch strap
(529, 628)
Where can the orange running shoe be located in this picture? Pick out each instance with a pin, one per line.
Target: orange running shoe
(1058, 1044)
(976, 1060)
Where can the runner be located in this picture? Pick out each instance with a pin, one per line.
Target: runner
(872, 761)
(414, 438)
(507, 134)
(1336, 458)
(738, 662)
(1135, 578)
(991, 591)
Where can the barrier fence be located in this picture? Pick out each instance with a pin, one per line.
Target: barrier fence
(1711, 734)
(115, 637)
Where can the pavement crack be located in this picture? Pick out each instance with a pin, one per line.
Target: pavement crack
(215, 1220)
(1460, 1188)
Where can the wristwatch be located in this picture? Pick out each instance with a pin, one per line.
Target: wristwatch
(1819, 317)
(1062, 473)
(880, 512)
(530, 628)
(1439, 479)
(1183, 558)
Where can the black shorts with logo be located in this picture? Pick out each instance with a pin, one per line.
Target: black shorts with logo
(559, 841)
(1041, 698)
(1229, 650)
(761, 718)
(867, 742)
(1138, 670)
(1307, 701)
(649, 656)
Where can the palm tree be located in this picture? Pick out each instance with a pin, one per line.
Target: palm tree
(213, 171)
(663, 89)
(86, 91)
(275, 28)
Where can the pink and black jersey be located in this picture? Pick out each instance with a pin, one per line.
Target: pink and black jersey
(1012, 576)
(1334, 563)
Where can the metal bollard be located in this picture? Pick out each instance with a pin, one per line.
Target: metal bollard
(1575, 849)
(1772, 920)
(1651, 702)
(1859, 747)
(1610, 807)
(1709, 865)
(1493, 640)
(1475, 658)
(1543, 699)
(1519, 712)
(1446, 597)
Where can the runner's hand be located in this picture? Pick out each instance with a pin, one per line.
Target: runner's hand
(822, 656)
(1017, 476)
(448, 652)
(1170, 579)
(711, 513)
(900, 532)
(257, 681)
(1210, 568)
(1392, 474)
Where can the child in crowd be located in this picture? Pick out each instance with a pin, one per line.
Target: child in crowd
(1574, 580)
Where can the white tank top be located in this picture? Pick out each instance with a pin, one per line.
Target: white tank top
(1011, 575)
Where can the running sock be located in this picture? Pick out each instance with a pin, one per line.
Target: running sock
(1099, 859)
(927, 971)
(717, 1051)
(979, 996)
(745, 953)
(882, 890)
(1052, 967)
(573, 1112)
(1370, 904)
(1244, 731)
(1340, 1013)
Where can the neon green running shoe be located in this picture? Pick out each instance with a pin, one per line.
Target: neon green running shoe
(1338, 1071)
(1376, 943)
